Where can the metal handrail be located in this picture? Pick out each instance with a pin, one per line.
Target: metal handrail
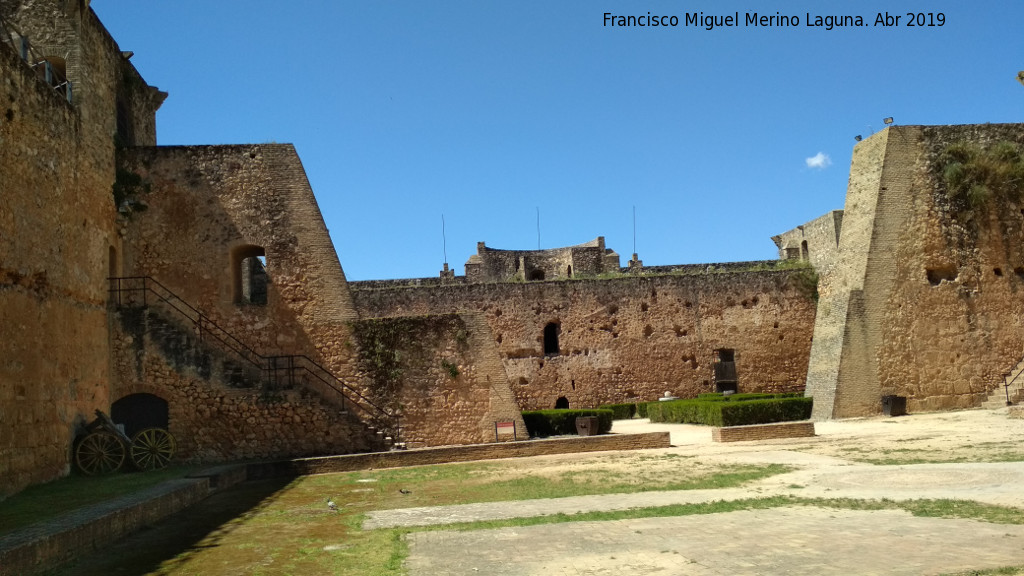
(270, 365)
(330, 376)
(1006, 386)
(23, 48)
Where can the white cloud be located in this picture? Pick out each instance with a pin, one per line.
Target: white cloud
(819, 161)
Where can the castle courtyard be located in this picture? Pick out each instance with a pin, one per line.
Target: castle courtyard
(923, 494)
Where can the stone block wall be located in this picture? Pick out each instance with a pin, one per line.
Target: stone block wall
(214, 419)
(58, 239)
(816, 241)
(922, 298)
(756, 432)
(629, 338)
(442, 374)
(211, 206)
(588, 259)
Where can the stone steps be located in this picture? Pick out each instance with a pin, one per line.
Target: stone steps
(997, 398)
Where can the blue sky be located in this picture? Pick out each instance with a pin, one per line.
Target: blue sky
(485, 111)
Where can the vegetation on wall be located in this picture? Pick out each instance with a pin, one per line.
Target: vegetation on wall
(128, 189)
(807, 281)
(392, 348)
(973, 176)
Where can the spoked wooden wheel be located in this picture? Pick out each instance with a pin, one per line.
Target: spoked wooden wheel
(152, 448)
(99, 453)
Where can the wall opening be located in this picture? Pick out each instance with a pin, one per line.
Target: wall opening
(938, 274)
(112, 263)
(249, 275)
(551, 331)
(562, 403)
(125, 130)
(803, 250)
(725, 370)
(537, 275)
(568, 271)
(140, 411)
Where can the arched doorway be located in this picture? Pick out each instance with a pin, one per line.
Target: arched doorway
(562, 403)
(140, 411)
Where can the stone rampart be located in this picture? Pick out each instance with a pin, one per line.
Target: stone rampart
(921, 300)
(629, 338)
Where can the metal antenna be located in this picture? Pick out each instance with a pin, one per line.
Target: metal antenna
(634, 229)
(538, 227)
(444, 240)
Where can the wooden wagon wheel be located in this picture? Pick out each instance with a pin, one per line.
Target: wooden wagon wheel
(152, 448)
(99, 453)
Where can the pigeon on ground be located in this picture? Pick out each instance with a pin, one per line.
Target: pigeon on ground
(332, 505)
(404, 491)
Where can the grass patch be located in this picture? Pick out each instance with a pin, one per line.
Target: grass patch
(467, 483)
(39, 503)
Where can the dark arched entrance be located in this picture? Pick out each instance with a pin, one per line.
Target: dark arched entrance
(562, 403)
(140, 411)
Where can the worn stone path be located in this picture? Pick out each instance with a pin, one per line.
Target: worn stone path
(787, 540)
(999, 483)
(794, 540)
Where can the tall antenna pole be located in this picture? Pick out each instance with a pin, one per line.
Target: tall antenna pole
(538, 227)
(444, 240)
(634, 228)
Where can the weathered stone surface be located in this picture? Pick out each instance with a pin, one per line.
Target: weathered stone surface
(921, 297)
(628, 338)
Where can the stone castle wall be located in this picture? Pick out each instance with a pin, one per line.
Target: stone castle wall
(58, 237)
(215, 418)
(442, 374)
(887, 323)
(629, 338)
(211, 206)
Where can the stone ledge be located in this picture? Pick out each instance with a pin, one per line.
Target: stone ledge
(47, 544)
(446, 454)
(801, 429)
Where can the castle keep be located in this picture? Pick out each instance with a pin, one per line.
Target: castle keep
(196, 288)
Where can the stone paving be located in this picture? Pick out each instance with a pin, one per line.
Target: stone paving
(787, 540)
(999, 484)
(794, 540)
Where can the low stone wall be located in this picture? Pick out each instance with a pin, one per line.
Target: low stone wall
(763, 431)
(90, 528)
(448, 454)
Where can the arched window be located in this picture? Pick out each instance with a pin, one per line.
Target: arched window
(568, 271)
(249, 275)
(551, 339)
(803, 250)
(537, 275)
(562, 403)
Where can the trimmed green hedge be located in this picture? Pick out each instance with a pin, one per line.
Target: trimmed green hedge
(714, 412)
(641, 408)
(621, 411)
(543, 423)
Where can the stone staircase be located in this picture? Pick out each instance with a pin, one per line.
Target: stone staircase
(997, 398)
(234, 369)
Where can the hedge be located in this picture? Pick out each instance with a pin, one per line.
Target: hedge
(731, 413)
(621, 411)
(543, 423)
(641, 408)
